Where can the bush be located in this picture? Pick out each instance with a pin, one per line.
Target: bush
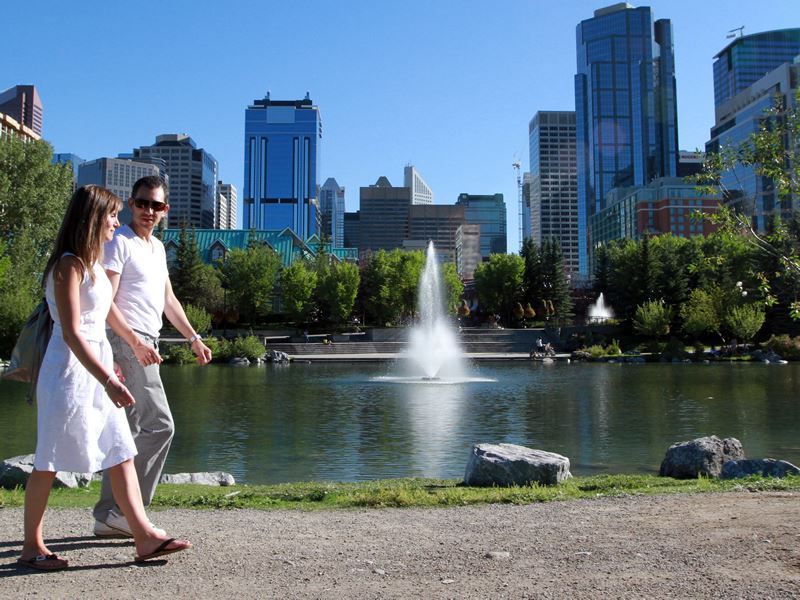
(179, 354)
(786, 346)
(198, 317)
(249, 347)
(652, 318)
(744, 321)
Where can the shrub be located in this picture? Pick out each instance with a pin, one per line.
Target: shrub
(198, 317)
(180, 354)
(744, 321)
(784, 345)
(652, 318)
(249, 347)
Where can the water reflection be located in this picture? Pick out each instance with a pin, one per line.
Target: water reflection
(355, 422)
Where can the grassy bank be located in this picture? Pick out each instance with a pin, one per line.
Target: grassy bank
(407, 493)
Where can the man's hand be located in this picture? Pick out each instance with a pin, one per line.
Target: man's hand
(202, 351)
(146, 354)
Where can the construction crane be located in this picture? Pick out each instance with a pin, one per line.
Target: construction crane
(516, 165)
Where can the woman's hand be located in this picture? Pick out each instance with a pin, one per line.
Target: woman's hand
(118, 393)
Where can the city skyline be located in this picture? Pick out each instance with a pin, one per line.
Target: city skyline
(450, 92)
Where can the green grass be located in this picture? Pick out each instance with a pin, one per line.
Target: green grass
(407, 493)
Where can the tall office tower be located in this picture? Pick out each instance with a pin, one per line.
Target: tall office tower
(626, 113)
(488, 211)
(735, 120)
(527, 215)
(22, 103)
(331, 208)
(193, 175)
(117, 175)
(383, 222)
(468, 250)
(437, 223)
(352, 229)
(748, 58)
(420, 192)
(282, 141)
(226, 206)
(554, 182)
(73, 160)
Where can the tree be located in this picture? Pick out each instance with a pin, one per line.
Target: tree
(652, 318)
(555, 286)
(532, 273)
(499, 282)
(33, 198)
(744, 321)
(700, 314)
(405, 271)
(773, 153)
(453, 287)
(298, 283)
(374, 292)
(338, 285)
(193, 281)
(250, 276)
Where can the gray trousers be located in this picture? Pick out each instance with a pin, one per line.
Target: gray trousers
(150, 420)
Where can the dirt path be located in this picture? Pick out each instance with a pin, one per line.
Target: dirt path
(734, 545)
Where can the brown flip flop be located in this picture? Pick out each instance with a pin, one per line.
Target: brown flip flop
(162, 550)
(44, 562)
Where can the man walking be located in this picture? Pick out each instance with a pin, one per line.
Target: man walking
(136, 264)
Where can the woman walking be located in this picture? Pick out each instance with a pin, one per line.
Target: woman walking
(81, 426)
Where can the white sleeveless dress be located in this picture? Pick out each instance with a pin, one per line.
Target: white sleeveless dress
(79, 428)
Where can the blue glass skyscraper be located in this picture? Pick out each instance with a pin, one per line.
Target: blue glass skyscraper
(748, 58)
(626, 112)
(281, 166)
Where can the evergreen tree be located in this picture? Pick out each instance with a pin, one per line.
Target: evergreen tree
(554, 280)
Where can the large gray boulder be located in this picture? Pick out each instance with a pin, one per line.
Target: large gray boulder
(217, 478)
(510, 464)
(14, 473)
(702, 456)
(766, 467)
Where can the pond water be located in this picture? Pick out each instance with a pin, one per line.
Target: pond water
(353, 422)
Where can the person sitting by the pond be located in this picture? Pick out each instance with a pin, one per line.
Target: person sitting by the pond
(539, 345)
(305, 335)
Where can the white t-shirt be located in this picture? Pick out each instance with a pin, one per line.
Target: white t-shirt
(143, 278)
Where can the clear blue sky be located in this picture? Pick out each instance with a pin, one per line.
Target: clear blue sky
(446, 85)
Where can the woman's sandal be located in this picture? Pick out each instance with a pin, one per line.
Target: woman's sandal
(162, 550)
(44, 562)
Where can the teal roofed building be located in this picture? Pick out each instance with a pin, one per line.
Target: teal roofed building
(214, 244)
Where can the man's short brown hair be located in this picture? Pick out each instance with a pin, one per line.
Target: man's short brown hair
(151, 182)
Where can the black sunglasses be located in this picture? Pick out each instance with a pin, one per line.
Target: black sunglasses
(154, 204)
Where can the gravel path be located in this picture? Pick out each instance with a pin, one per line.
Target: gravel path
(733, 545)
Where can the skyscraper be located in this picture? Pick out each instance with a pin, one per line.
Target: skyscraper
(331, 207)
(735, 120)
(554, 182)
(488, 211)
(626, 112)
(420, 192)
(748, 58)
(22, 103)
(193, 175)
(281, 165)
(118, 175)
(227, 203)
(383, 219)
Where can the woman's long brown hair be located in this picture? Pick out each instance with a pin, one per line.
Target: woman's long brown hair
(83, 229)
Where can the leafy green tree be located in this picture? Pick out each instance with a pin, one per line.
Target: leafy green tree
(453, 287)
(744, 321)
(249, 276)
(499, 282)
(374, 291)
(298, 283)
(338, 286)
(193, 281)
(404, 274)
(33, 198)
(700, 314)
(555, 286)
(198, 317)
(773, 153)
(652, 318)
